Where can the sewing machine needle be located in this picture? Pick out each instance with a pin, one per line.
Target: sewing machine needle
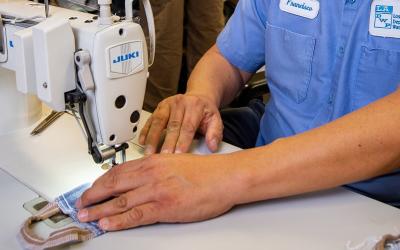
(46, 7)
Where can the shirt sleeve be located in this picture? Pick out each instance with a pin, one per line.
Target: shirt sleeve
(242, 42)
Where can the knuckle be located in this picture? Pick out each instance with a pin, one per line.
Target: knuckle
(121, 202)
(162, 194)
(191, 101)
(149, 173)
(152, 160)
(149, 168)
(189, 128)
(168, 100)
(146, 127)
(111, 181)
(168, 199)
(174, 125)
(165, 190)
(84, 198)
(178, 98)
(160, 104)
(118, 224)
(135, 215)
(158, 120)
(97, 182)
(153, 210)
(153, 139)
(198, 101)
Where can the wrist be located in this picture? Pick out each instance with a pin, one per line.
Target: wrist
(210, 98)
(236, 178)
(250, 180)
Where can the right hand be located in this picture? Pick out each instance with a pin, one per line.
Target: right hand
(182, 116)
(163, 188)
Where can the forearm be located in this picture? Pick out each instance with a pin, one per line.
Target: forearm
(358, 146)
(217, 79)
(186, 187)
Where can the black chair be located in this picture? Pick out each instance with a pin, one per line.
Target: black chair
(256, 88)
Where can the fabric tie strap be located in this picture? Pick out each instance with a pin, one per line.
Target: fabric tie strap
(70, 235)
(66, 204)
(388, 242)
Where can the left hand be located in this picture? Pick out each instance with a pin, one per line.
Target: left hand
(161, 188)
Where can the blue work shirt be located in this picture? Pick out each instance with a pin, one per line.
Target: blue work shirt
(317, 69)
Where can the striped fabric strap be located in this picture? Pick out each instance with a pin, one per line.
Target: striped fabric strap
(70, 235)
(388, 242)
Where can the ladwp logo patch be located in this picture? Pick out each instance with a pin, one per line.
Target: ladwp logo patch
(383, 16)
(126, 58)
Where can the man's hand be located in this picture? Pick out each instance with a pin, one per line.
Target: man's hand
(182, 116)
(161, 188)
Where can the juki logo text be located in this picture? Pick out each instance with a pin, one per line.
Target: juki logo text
(126, 57)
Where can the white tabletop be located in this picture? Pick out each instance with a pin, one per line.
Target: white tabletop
(56, 161)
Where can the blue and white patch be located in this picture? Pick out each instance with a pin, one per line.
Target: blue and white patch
(305, 8)
(125, 59)
(385, 18)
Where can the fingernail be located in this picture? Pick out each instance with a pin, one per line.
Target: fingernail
(141, 139)
(178, 151)
(83, 214)
(148, 150)
(78, 203)
(104, 223)
(166, 151)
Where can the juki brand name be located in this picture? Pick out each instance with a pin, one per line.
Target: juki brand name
(126, 57)
(303, 5)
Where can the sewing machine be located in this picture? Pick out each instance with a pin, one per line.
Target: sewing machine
(35, 50)
(94, 67)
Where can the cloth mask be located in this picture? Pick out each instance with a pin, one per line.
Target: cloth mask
(66, 204)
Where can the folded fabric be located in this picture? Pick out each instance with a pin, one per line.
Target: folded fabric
(78, 233)
(85, 231)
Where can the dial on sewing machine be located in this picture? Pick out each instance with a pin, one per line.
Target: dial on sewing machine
(96, 66)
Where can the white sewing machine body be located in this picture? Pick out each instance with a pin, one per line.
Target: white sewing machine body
(69, 50)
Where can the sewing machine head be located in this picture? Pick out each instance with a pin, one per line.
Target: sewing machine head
(94, 66)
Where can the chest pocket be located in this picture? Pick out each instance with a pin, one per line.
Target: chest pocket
(378, 75)
(289, 58)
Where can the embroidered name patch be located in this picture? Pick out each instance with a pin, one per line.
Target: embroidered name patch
(385, 18)
(305, 8)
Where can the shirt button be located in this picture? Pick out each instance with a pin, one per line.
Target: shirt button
(350, 1)
(341, 50)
